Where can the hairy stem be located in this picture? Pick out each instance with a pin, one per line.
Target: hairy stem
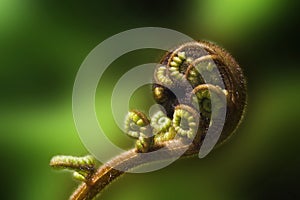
(108, 172)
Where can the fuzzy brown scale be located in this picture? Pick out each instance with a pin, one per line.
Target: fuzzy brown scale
(231, 76)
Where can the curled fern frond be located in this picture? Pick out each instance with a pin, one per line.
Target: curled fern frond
(175, 64)
(203, 95)
(85, 163)
(161, 76)
(137, 125)
(82, 166)
(160, 122)
(193, 83)
(185, 121)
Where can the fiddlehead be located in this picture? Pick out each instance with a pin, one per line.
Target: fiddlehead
(83, 167)
(185, 121)
(136, 126)
(194, 83)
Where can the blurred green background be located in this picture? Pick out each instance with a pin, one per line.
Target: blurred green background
(43, 43)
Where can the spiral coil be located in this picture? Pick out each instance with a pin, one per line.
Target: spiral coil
(186, 82)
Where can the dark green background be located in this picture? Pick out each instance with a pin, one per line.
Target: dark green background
(42, 44)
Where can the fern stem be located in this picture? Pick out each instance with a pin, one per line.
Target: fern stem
(129, 160)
